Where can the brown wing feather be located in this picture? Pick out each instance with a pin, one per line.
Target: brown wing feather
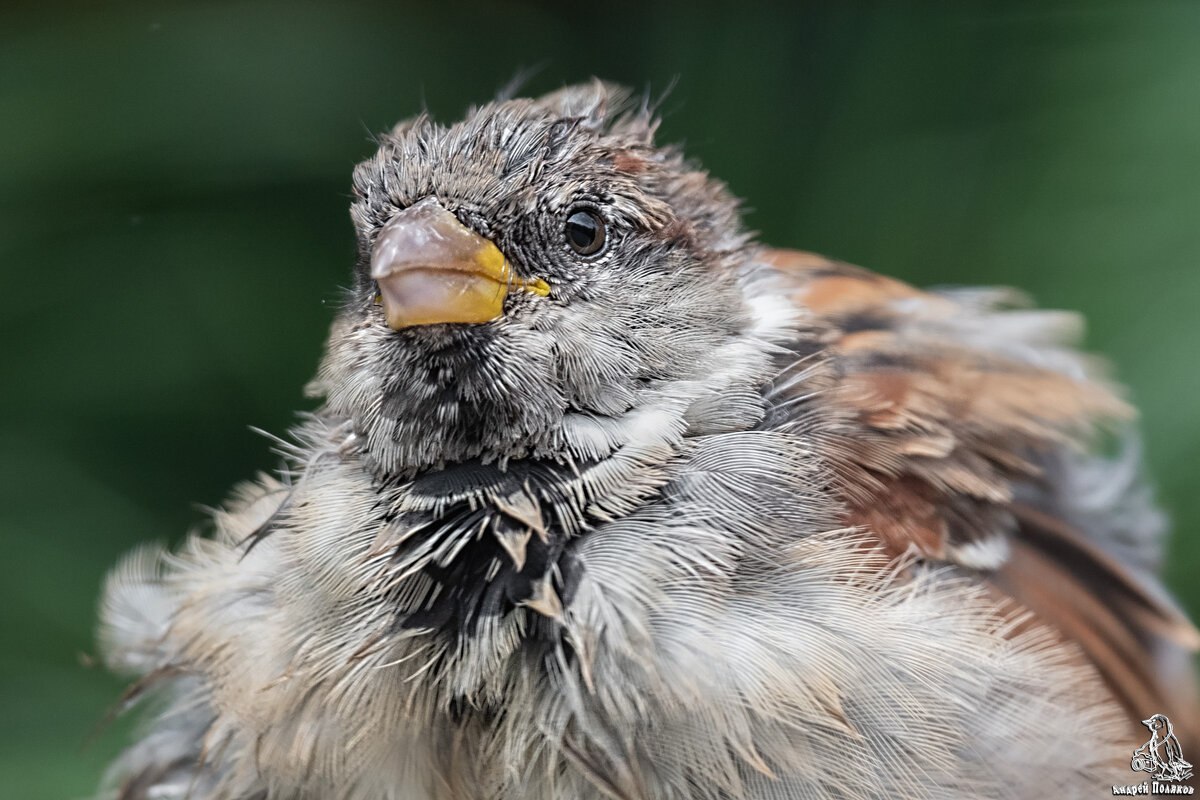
(936, 418)
(1139, 642)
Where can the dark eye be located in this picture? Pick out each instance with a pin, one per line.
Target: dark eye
(585, 232)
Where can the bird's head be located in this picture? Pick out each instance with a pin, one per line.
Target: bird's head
(530, 282)
(1158, 724)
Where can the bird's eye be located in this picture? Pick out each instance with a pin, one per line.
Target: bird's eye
(586, 232)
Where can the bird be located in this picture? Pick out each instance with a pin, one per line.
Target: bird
(1163, 755)
(603, 497)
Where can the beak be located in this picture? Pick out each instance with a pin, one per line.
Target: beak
(430, 269)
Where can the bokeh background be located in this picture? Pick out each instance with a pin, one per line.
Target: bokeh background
(173, 230)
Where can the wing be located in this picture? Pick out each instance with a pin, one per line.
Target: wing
(959, 423)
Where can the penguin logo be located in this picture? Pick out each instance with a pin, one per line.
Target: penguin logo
(1162, 756)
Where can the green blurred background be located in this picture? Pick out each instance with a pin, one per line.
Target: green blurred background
(173, 230)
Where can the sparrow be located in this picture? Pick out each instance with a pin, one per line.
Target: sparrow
(604, 498)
